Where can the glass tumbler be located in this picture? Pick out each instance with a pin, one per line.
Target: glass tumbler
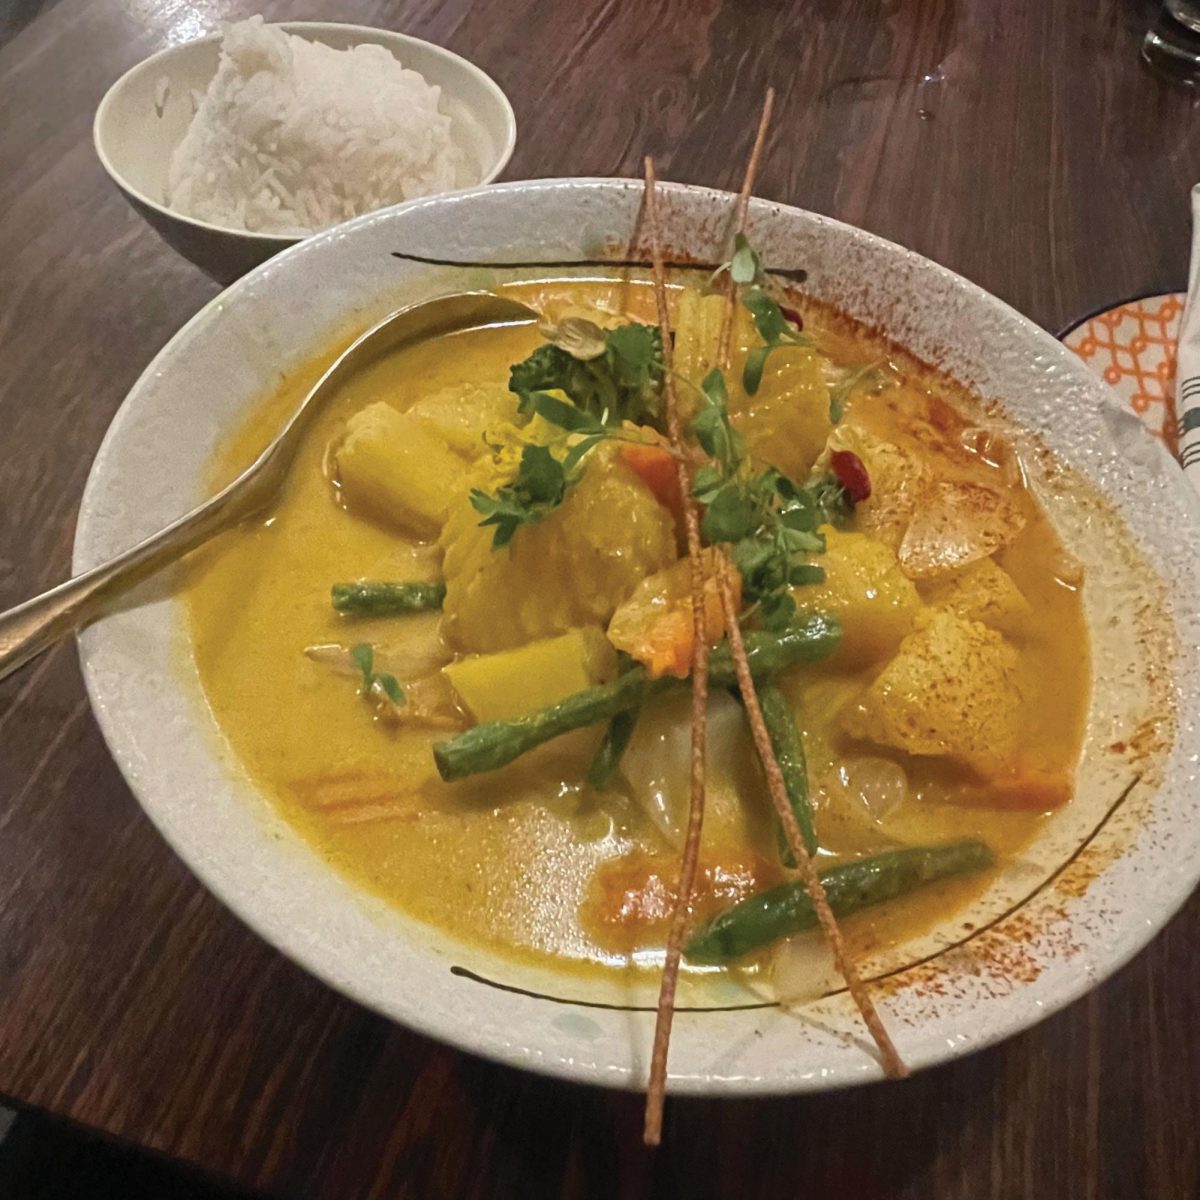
(1172, 46)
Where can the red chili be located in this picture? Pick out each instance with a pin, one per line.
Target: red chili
(849, 471)
(792, 315)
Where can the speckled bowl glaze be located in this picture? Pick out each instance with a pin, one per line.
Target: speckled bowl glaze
(1103, 875)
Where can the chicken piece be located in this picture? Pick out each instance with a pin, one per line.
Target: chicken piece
(951, 690)
(462, 415)
(868, 593)
(570, 569)
(982, 591)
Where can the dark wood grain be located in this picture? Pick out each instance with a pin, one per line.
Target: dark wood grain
(1021, 144)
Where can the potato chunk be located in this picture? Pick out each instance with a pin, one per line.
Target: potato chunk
(511, 683)
(394, 467)
(866, 590)
(570, 569)
(982, 591)
(951, 690)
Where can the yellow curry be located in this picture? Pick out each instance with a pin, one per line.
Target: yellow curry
(937, 679)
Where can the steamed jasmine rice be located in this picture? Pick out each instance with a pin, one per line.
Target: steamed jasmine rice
(293, 136)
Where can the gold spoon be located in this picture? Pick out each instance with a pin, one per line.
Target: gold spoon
(30, 628)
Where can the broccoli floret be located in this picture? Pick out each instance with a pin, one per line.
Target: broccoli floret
(624, 383)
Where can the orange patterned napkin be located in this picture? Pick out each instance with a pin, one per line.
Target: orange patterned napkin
(1133, 347)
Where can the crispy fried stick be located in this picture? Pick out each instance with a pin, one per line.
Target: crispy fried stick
(656, 1089)
(893, 1065)
(743, 203)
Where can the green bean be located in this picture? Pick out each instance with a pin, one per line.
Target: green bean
(493, 745)
(608, 755)
(378, 599)
(787, 908)
(780, 720)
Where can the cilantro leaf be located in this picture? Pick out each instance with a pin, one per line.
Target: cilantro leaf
(773, 525)
(801, 574)
(752, 372)
(768, 317)
(559, 412)
(539, 488)
(373, 682)
(364, 660)
(712, 427)
(774, 329)
(745, 266)
(390, 687)
(730, 515)
(706, 483)
(777, 610)
(541, 485)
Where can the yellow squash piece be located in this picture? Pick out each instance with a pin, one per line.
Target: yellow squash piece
(697, 331)
(983, 591)
(865, 589)
(497, 687)
(394, 467)
(951, 690)
(463, 414)
(570, 569)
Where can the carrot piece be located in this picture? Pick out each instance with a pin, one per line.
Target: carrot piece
(655, 467)
(667, 649)
(1024, 789)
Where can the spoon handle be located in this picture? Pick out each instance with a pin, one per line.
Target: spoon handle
(35, 625)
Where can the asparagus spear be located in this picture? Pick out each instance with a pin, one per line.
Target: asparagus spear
(780, 721)
(608, 756)
(787, 908)
(377, 599)
(497, 743)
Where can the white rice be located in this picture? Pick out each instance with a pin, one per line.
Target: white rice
(292, 136)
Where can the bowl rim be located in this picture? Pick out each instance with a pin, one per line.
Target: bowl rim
(1126, 943)
(284, 240)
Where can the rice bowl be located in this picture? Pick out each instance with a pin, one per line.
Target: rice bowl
(146, 114)
(292, 136)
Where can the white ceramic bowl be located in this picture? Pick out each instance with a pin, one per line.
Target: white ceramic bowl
(1104, 874)
(145, 114)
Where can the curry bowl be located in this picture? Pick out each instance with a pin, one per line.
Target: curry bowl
(1096, 878)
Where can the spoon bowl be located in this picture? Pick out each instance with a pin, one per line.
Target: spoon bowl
(35, 625)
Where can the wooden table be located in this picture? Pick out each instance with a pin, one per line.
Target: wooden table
(1021, 144)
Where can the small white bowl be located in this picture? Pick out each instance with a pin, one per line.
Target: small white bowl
(145, 114)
